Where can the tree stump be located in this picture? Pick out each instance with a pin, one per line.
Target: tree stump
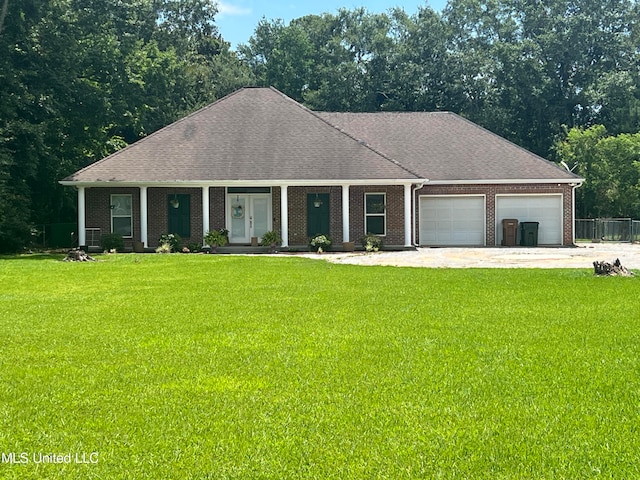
(78, 255)
(611, 269)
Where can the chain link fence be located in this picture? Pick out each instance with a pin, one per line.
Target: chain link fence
(607, 230)
(63, 235)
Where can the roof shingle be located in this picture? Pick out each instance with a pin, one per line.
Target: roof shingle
(261, 134)
(443, 146)
(252, 134)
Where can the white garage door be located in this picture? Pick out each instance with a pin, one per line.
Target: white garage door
(544, 209)
(452, 220)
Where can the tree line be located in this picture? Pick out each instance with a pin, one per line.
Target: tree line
(80, 79)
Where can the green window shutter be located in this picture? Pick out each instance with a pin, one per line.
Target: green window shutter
(317, 214)
(180, 215)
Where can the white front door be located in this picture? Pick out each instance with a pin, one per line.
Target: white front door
(248, 215)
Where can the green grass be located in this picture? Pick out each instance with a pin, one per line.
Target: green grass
(194, 366)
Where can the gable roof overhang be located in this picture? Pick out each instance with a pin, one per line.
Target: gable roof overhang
(576, 182)
(247, 183)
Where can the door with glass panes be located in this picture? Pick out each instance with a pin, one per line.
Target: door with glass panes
(248, 215)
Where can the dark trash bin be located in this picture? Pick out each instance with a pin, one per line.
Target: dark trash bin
(509, 232)
(529, 234)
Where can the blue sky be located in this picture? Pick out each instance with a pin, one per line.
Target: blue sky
(237, 19)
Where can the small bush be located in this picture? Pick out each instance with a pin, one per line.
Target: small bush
(270, 237)
(217, 238)
(372, 243)
(173, 240)
(320, 243)
(164, 248)
(111, 241)
(193, 247)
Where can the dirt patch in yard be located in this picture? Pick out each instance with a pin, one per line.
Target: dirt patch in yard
(581, 256)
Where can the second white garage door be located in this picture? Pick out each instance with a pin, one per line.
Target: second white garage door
(452, 220)
(544, 209)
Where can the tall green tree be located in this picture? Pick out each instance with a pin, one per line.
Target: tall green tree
(610, 165)
(25, 119)
(331, 62)
(81, 78)
(420, 64)
(530, 68)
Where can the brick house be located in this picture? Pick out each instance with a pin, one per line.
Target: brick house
(257, 161)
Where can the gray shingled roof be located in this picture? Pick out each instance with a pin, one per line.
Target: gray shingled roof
(443, 146)
(261, 134)
(252, 134)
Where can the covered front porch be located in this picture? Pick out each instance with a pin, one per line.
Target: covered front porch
(296, 210)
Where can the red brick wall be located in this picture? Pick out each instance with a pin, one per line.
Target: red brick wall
(297, 212)
(490, 191)
(98, 214)
(297, 201)
(98, 211)
(276, 194)
(216, 208)
(157, 216)
(394, 210)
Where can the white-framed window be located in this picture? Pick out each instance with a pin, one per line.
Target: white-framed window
(122, 215)
(375, 213)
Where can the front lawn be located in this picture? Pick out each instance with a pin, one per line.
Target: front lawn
(204, 366)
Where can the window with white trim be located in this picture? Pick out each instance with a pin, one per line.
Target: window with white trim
(375, 213)
(122, 215)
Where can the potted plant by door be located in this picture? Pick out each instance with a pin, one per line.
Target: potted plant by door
(215, 239)
(320, 243)
(271, 239)
(372, 243)
(348, 246)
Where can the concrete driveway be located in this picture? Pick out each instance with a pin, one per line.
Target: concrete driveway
(581, 256)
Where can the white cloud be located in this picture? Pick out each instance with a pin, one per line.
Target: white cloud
(225, 8)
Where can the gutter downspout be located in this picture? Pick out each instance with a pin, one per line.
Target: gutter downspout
(573, 210)
(416, 187)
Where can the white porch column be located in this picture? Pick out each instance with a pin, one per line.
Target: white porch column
(345, 214)
(284, 215)
(205, 211)
(143, 216)
(82, 227)
(407, 215)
